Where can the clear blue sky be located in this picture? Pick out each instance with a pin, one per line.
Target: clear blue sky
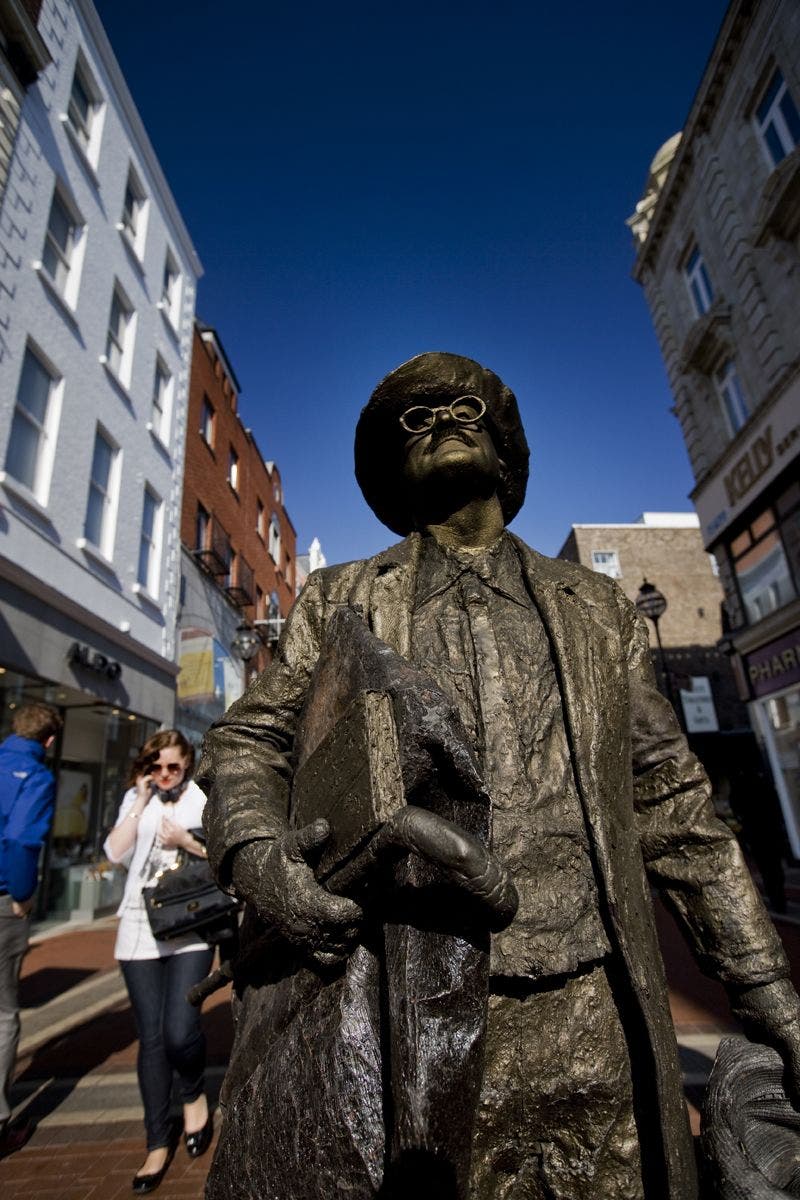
(365, 181)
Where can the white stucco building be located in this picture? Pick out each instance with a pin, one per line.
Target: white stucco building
(97, 292)
(717, 237)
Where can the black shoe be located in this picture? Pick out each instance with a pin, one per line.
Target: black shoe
(148, 1183)
(14, 1137)
(197, 1143)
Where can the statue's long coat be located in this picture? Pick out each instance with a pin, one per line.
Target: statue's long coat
(645, 797)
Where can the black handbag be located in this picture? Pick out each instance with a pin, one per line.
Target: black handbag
(185, 899)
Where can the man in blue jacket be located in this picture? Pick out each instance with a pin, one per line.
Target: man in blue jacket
(27, 794)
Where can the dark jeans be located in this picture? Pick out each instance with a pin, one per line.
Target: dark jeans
(13, 944)
(170, 1034)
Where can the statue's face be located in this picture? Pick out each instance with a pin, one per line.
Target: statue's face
(452, 450)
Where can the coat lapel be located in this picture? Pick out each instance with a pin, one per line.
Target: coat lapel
(586, 650)
(384, 593)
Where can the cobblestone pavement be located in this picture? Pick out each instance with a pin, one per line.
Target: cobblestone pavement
(76, 1075)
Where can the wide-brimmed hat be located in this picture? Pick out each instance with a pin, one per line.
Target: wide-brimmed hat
(434, 378)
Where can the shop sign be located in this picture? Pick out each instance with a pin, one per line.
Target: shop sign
(93, 660)
(774, 666)
(699, 712)
(773, 443)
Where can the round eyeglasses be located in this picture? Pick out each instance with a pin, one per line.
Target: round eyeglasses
(466, 410)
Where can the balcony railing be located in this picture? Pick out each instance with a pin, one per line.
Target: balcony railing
(241, 590)
(215, 556)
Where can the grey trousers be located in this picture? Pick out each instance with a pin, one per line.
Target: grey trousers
(13, 944)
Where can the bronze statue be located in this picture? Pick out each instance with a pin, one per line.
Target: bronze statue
(403, 1034)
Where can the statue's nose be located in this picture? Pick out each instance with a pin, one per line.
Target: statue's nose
(443, 414)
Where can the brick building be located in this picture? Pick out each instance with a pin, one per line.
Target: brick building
(239, 554)
(717, 238)
(666, 549)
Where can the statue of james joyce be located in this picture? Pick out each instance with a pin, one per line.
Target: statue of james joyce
(484, 1010)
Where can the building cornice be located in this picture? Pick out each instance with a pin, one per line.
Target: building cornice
(724, 55)
(138, 133)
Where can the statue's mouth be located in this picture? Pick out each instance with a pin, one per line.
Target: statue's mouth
(447, 435)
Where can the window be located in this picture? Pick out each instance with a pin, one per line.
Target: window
(134, 211)
(147, 574)
(98, 528)
(261, 521)
(162, 397)
(730, 392)
(606, 562)
(61, 239)
(233, 469)
(698, 282)
(777, 120)
(120, 336)
(207, 422)
(202, 526)
(275, 540)
(83, 110)
(259, 604)
(29, 450)
(171, 290)
(761, 567)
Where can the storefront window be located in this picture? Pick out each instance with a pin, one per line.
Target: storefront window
(761, 567)
(783, 729)
(210, 680)
(97, 745)
(788, 509)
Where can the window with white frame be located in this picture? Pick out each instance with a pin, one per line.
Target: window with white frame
(119, 339)
(233, 469)
(207, 422)
(162, 400)
(777, 120)
(59, 253)
(606, 562)
(698, 282)
(134, 213)
(29, 451)
(274, 546)
(734, 405)
(171, 290)
(149, 542)
(98, 528)
(261, 521)
(84, 109)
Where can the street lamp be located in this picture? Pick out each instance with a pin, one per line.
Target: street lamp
(245, 646)
(652, 604)
(246, 643)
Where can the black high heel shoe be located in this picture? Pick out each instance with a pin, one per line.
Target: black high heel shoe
(142, 1184)
(197, 1143)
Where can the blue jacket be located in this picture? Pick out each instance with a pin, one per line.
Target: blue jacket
(27, 798)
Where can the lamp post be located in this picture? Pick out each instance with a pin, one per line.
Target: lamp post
(245, 646)
(652, 604)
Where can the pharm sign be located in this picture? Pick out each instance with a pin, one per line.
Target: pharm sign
(774, 666)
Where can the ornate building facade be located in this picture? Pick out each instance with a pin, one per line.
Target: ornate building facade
(717, 236)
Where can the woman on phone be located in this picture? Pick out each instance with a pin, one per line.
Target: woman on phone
(160, 807)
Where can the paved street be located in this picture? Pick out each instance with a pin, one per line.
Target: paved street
(77, 1076)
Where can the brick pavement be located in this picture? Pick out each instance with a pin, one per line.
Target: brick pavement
(76, 1074)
